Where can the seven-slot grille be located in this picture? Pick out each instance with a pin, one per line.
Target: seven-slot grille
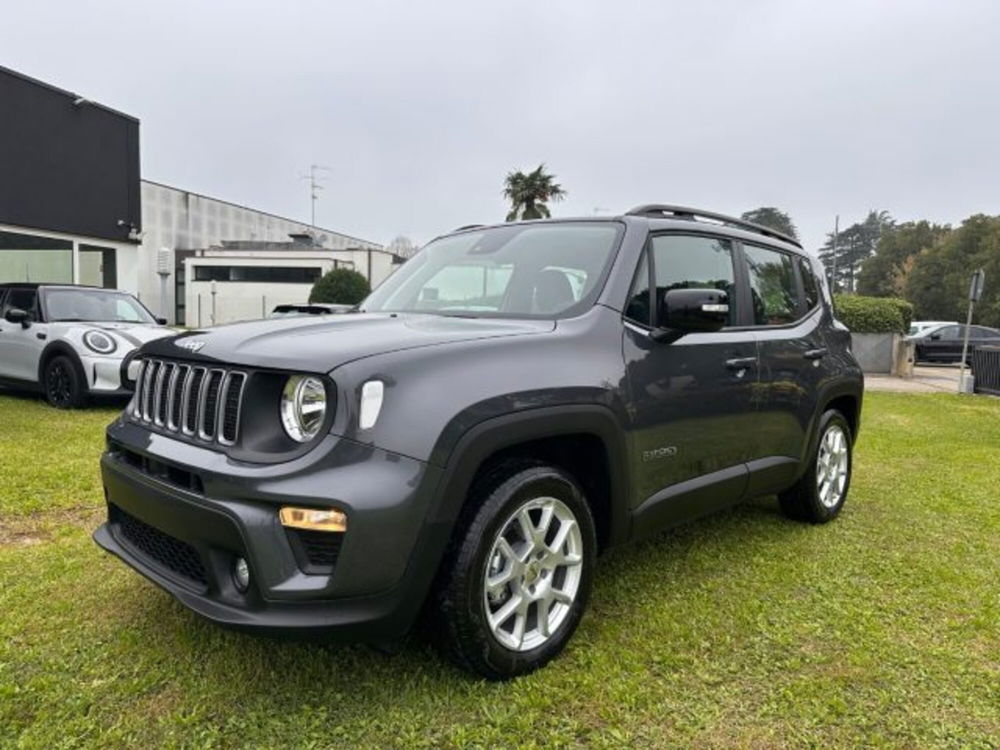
(193, 400)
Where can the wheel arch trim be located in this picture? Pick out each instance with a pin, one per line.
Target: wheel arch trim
(487, 438)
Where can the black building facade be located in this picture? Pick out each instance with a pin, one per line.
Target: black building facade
(70, 208)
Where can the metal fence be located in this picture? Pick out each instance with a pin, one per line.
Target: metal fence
(986, 369)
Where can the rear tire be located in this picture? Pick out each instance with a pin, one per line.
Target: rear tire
(517, 577)
(821, 492)
(63, 384)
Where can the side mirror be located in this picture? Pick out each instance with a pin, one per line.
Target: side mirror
(161, 321)
(935, 337)
(17, 315)
(683, 311)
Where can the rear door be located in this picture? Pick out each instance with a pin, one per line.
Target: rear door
(786, 318)
(691, 400)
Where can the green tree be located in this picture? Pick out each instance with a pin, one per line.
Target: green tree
(855, 244)
(529, 193)
(938, 285)
(773, 218)
(341, 286)
(885, 273)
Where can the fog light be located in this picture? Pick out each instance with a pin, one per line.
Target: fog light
(241, 574)
(313, 519)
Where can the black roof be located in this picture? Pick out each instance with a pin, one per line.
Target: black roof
(40, 284)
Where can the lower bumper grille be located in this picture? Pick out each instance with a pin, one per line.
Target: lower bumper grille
(177, 556)
(315, 551)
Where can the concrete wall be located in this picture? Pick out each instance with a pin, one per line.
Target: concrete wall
(883, 353)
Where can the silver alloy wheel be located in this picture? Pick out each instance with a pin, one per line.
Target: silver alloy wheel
(832, 466)
(533, 573)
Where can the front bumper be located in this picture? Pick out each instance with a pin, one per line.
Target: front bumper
(103, 375)
(194, 518)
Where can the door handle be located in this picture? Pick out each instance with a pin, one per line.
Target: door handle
(815, 353)
(741, 363)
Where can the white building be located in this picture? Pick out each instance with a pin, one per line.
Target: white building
(187, 224)
(245, 280)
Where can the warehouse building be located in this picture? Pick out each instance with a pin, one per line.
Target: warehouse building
(243, 280)
(74, 209)
(179, 224)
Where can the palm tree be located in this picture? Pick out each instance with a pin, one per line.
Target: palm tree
(528, 194)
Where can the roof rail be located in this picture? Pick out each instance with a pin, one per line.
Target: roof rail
(693, 214)
(468, 226)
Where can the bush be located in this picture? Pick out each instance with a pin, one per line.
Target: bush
(341, 286)
(873, 314)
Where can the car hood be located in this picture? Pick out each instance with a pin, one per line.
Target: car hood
(320, 345)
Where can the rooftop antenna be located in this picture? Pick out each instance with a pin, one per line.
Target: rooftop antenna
(314, 186)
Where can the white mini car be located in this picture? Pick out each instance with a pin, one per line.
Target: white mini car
(70, 342)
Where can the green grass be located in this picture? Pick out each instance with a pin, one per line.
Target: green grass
(880, 629)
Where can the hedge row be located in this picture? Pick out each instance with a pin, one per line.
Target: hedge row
(873, 314)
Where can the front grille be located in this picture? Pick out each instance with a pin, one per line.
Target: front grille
(197, 401)
(177, 556)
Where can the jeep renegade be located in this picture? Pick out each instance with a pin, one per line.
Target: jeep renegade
(512, 401)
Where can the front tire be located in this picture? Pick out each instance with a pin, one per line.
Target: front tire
(63, 383)
(820, 494)
(518, 575)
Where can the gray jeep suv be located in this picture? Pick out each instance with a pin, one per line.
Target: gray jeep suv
(511, 402)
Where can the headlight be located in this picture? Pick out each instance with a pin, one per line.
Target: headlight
(99, 342)
(303, 407)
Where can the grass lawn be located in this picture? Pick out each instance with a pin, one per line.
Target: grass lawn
(880, 629)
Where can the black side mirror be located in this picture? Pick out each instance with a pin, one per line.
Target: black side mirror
(683, 311)
(161, 321)
(17, 315)
(935, 337)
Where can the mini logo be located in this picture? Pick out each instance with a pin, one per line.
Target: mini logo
(192, 345)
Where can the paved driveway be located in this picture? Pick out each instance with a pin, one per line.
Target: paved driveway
(926, 379)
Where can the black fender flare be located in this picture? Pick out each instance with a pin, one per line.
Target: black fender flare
(497, 433)
(824, 397)
(53, 349)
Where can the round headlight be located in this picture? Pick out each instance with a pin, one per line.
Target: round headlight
(303, 407)
(99, 342)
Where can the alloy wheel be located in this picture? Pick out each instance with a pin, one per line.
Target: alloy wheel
(533, 573)
(57, 384)
(832, 466)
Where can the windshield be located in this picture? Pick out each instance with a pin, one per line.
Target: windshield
(94, 305)
(522, 270)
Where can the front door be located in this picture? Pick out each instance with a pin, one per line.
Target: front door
(19, 347)
(690, 401)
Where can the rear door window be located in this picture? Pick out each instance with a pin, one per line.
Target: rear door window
(809, 283)
(774, 297)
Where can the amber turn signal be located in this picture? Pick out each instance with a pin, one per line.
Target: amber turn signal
(313, 519)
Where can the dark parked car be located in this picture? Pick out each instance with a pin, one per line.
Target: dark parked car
(511, 402)
(944, 343)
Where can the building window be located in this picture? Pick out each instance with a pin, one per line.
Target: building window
(265, 274)
(28, 257)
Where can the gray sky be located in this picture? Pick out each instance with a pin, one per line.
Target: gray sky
(421, 108)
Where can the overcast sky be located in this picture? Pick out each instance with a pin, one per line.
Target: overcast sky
(420, 109)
